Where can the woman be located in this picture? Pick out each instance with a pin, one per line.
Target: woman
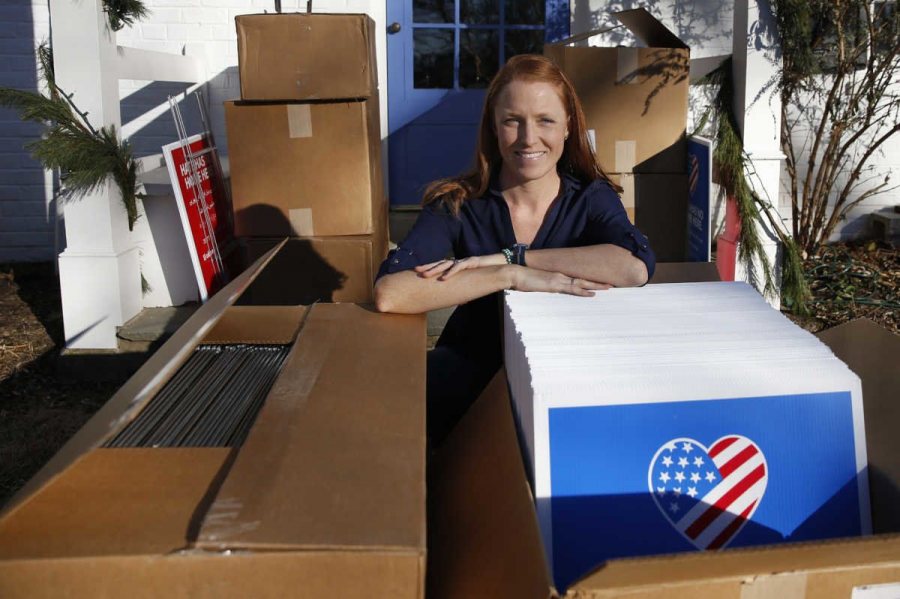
(535, 214)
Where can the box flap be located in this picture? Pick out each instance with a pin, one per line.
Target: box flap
(483, 538)
(258, 324)
(117, 502)
(648, 29)
(238, 575)
(337, 455)
(872, 353)
(736, 565)
(685, 272)
(143, 385)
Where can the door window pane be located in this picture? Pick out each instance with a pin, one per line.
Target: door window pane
(433, 11)
(479, 57)
(525, 12)
(479, 12)
(432, 58)
(524, 41)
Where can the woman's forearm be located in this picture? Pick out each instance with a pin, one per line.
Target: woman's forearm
(605, 263)
(409, 293)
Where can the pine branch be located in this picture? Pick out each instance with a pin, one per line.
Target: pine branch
(85, 157)
(123, 13)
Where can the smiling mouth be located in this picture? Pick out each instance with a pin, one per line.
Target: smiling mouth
(530, 155)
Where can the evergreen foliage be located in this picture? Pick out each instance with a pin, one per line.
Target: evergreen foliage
(122, 13)
(731, 162)
(85, 156)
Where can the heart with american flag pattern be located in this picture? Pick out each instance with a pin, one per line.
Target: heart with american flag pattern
(708, 494)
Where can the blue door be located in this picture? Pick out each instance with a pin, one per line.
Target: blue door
(441, 56)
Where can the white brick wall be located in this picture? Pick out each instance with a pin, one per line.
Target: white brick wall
(26, 222)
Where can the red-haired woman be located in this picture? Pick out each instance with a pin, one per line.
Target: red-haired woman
(535, 214)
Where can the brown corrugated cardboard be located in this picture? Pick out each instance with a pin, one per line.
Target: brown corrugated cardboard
(635, 99)
(484, 539)
(307, 270)
(325, 498)
(306, 56)
(341, 438)
(309, 169)
(873, 352)
(659, 203)
(685, 272)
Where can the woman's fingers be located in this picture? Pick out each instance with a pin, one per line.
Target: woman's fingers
(459, 266)
(582, 287)
(433, 269)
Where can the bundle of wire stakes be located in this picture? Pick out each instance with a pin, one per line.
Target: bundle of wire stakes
(212, 401)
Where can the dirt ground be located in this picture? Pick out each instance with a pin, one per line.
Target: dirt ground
(40, 410)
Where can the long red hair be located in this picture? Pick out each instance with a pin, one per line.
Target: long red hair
(577, 158)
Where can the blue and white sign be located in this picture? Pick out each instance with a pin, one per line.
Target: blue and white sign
(680, 417)
(630, 480)
(699, 152)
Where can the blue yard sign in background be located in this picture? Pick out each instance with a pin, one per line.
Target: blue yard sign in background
(699, 200)
(441, 56)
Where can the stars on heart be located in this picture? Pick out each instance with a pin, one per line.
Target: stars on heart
(710, 477)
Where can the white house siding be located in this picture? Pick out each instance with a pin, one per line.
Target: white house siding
(26, 190)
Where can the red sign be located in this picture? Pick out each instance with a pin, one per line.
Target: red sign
(205, 211)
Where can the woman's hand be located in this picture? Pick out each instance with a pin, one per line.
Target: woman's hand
(444, 269)
(533, 279)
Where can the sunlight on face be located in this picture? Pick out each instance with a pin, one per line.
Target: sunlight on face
(531, 124)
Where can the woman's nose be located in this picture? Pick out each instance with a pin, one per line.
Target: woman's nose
(526, 133)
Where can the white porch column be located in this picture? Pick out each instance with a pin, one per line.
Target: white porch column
(99, 270)
(757, 107)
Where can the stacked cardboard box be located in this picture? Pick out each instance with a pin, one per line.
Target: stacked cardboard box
(305, 141)
(635, 102)
(326, 497)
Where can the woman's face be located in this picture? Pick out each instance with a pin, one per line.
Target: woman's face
(532, 125)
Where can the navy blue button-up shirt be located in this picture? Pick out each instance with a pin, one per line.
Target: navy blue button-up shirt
(582, 214)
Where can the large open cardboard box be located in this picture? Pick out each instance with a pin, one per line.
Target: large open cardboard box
(281, 57)
(325, 498)
(484, 539)
(635, 99)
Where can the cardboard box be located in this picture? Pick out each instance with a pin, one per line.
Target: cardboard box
(312, 269)
(325, 498)
(635, 99)
(306, 169)
(658, 206)
(306, 56)
(484, 539)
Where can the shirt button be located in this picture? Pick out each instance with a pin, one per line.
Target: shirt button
(396, 261)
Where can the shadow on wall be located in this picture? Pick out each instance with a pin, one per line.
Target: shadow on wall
(27, 231)
(705, 25)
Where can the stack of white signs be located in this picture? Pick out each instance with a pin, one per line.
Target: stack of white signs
(679, 417)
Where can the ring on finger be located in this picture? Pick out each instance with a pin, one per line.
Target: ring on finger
(573, 282)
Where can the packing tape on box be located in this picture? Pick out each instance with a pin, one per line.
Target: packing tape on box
(626, 155)
(784, 586)
(299, 121)
(627, 183)
(302, 221)
(627, 64)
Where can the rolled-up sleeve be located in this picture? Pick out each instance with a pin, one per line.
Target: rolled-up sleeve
(608, 223)
(430, 239)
